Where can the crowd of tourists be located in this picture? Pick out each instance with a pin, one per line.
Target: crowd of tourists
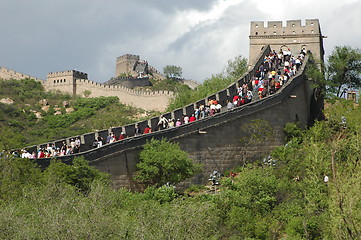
(51, 150)
(273, 73)
(276, 70)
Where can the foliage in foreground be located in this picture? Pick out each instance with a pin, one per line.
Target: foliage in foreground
(287, 201)
(343, 69)
(163, 162)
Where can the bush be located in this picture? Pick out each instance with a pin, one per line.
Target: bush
(79, 174)
(164, 162)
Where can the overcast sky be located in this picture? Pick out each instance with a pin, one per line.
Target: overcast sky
(41, 36)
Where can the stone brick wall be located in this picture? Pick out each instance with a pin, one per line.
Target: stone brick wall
(294, 36)
(129, 82)
(157, 100)
(213, 141)
(6, 73)
(217, 146)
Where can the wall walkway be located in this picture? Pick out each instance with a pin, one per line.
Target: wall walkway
(213, 141)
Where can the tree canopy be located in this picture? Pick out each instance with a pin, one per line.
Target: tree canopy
(235, 69)
(172, 71)
(164, 162)
(343, 69)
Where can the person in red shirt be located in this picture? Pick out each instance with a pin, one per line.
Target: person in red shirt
(41, 154)
(277, 85)
(147, 129)
(192, 118)
(122, 136)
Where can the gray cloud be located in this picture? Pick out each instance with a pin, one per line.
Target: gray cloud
(42, 36)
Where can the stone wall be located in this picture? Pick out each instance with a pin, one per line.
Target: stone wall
(7, 74)
(294, 36)
(129, 82)
(125, 64)
(155, 100)
(213, 141)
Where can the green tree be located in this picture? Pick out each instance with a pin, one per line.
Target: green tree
(16, 174)
(164, 162)
(343, 68)
(172, 71)
(237, 67)
(87, 93)
(79, 174)
(10, 138)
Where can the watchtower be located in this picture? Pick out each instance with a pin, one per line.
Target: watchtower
(125, 64)
(294, 36)
(65, 81)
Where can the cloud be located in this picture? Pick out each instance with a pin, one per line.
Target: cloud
(42, 36)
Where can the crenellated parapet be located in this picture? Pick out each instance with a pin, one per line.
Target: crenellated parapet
(69, 73)
(293, 35)
(91, 85)
(293, 28)
(6, 74)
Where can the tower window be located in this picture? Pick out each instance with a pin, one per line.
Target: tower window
(293, 32)
(293, 25)
(274, 26)
(311, 23)
(311, 31)
(274, 33)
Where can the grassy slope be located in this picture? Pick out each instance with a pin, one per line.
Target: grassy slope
(20, 127)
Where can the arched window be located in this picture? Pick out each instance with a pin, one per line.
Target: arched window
(256, 33)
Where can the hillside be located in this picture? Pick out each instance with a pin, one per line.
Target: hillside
(307, 189)
(29, 115)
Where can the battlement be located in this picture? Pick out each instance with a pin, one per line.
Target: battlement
(133, 57)
(276, 28)
(120, 88)
(6, 73)
(68, 73)
(294, 36)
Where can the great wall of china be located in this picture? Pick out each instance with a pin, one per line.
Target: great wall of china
(215, 141)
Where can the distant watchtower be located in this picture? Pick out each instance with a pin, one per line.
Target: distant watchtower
(125, 64)
(65, 81)
(294, 36)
